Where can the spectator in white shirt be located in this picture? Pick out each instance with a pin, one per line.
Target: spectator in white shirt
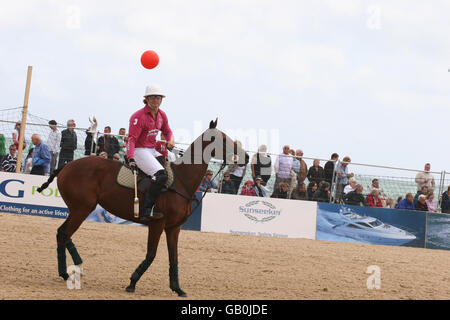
(283, 167)
(351, 186)
(53, 143)
(425, 179)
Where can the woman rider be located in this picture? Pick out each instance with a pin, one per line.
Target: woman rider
(144, 127)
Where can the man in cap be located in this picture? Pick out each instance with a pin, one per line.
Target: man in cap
(144, 127)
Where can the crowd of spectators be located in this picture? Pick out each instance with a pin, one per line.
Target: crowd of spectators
(291, 172)
(44, 157)
(289, 169)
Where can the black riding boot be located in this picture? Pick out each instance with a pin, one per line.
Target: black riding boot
(151, 196)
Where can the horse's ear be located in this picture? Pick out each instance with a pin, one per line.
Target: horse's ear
(213, 124)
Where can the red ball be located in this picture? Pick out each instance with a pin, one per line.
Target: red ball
(149, 59)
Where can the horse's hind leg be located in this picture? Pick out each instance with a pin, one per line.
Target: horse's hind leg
(63, 236)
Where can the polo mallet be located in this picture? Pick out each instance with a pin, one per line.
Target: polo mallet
(136, 199)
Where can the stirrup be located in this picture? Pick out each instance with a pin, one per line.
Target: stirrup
(150, 213)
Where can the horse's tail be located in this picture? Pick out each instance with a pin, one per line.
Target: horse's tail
(50, 180)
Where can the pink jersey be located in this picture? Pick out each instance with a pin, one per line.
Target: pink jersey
(144, 129)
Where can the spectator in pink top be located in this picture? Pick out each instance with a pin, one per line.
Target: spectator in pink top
(248, 190)
(430, 202)
(145, 125)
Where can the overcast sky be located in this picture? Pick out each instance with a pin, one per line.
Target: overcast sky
(368, 79)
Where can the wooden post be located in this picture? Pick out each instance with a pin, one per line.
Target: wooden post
(24, 119)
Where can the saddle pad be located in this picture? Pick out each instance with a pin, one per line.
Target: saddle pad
(125, 177)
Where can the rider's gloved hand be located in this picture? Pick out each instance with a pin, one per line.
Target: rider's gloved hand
(133, 165)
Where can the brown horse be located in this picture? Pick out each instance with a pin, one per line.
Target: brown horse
(89, 181)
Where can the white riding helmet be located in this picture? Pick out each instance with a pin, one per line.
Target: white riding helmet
(153, 90)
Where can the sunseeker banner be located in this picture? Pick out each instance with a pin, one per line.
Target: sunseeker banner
(346, 223)
(259, 216)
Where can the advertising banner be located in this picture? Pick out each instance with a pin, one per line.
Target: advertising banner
(194, 220)
(18, 194)
(346, 223)
(101, 215)
(438, 231)
(259, 216)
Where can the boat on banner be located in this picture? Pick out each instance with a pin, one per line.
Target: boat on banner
(349, 224)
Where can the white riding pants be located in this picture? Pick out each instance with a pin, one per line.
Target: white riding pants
(146, 160)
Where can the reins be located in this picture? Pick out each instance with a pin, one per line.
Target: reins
(193, 197)
(222, 166)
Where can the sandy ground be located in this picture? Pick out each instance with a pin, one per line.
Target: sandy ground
(212, 266)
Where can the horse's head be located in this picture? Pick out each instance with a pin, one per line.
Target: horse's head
(222, 147)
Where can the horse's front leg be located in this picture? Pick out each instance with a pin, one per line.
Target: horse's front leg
(172, 246)
(154, 234)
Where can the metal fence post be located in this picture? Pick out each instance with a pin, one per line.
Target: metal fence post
(441, 190)
(219, 183)
(333, 183)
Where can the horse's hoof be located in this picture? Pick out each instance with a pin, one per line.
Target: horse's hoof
(64, 276)
(130, 289)
(180, 292)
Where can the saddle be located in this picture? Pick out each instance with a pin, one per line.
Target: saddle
(125, 177)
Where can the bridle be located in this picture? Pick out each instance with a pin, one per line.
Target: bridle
(192, 197)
